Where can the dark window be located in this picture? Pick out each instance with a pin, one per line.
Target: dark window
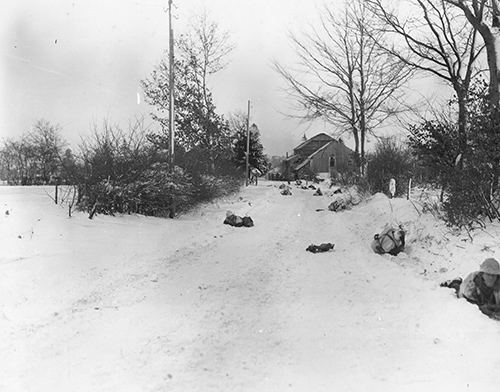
(332, 161)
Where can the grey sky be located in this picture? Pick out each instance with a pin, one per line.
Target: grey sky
(76, 62)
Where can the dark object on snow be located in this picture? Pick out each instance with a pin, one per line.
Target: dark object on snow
(319, 209)
(234, 220)
(390, 241)
(298, 182)
(453, 284)
(318, 192)
(337, 205)
(247, 221)
(304, 187)
(338, 191)
(282, 186)
(320, 248)
(312, 186)
(237, 221)
(286, 192)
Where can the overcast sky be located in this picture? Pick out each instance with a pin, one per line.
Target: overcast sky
(76, 62)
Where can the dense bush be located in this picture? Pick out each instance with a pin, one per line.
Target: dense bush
(436, 146)
(208, 187)
(159, 192)
(466, 197)
(128, 173)
(389, 160)
(361, 182)
(472, 189)
(469, 177)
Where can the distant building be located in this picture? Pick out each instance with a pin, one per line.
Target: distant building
(319, 154)
(276, 161)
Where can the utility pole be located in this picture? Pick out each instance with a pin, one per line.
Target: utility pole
(171, 115)
(248, 144)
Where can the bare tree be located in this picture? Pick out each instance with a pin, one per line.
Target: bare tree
(484, 16)
(48, 145)
(206, 48)
(343, 76)
(436, 39)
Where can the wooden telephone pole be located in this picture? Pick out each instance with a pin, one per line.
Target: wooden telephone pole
(248, 145)
(171, 111)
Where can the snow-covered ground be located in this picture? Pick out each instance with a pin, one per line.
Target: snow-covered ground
(132, 303)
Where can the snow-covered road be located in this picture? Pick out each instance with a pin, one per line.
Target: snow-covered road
(144, 304)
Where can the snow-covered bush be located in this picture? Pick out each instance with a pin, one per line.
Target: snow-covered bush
(159, 192)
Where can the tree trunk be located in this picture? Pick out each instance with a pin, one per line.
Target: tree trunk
(355, 134)
(362, 132)
(491, 42)
(493, 51)
(362, 155)
(462, 122)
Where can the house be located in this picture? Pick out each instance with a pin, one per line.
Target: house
(319, 154)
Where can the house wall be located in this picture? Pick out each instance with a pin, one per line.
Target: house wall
(343, 159)
(288, 164)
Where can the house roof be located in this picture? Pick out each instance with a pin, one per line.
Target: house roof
(291, 157)
(311, 139)
(308, 159)
(321, 149)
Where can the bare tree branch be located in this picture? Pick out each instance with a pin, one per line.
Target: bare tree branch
(440, 41)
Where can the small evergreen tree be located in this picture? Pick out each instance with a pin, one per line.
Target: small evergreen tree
(257, 159)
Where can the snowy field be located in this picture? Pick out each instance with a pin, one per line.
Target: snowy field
(132, 303)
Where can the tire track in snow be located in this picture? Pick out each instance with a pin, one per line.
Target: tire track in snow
(237, 277)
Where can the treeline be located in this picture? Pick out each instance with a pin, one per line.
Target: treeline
(127, 171)
(38, 157)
